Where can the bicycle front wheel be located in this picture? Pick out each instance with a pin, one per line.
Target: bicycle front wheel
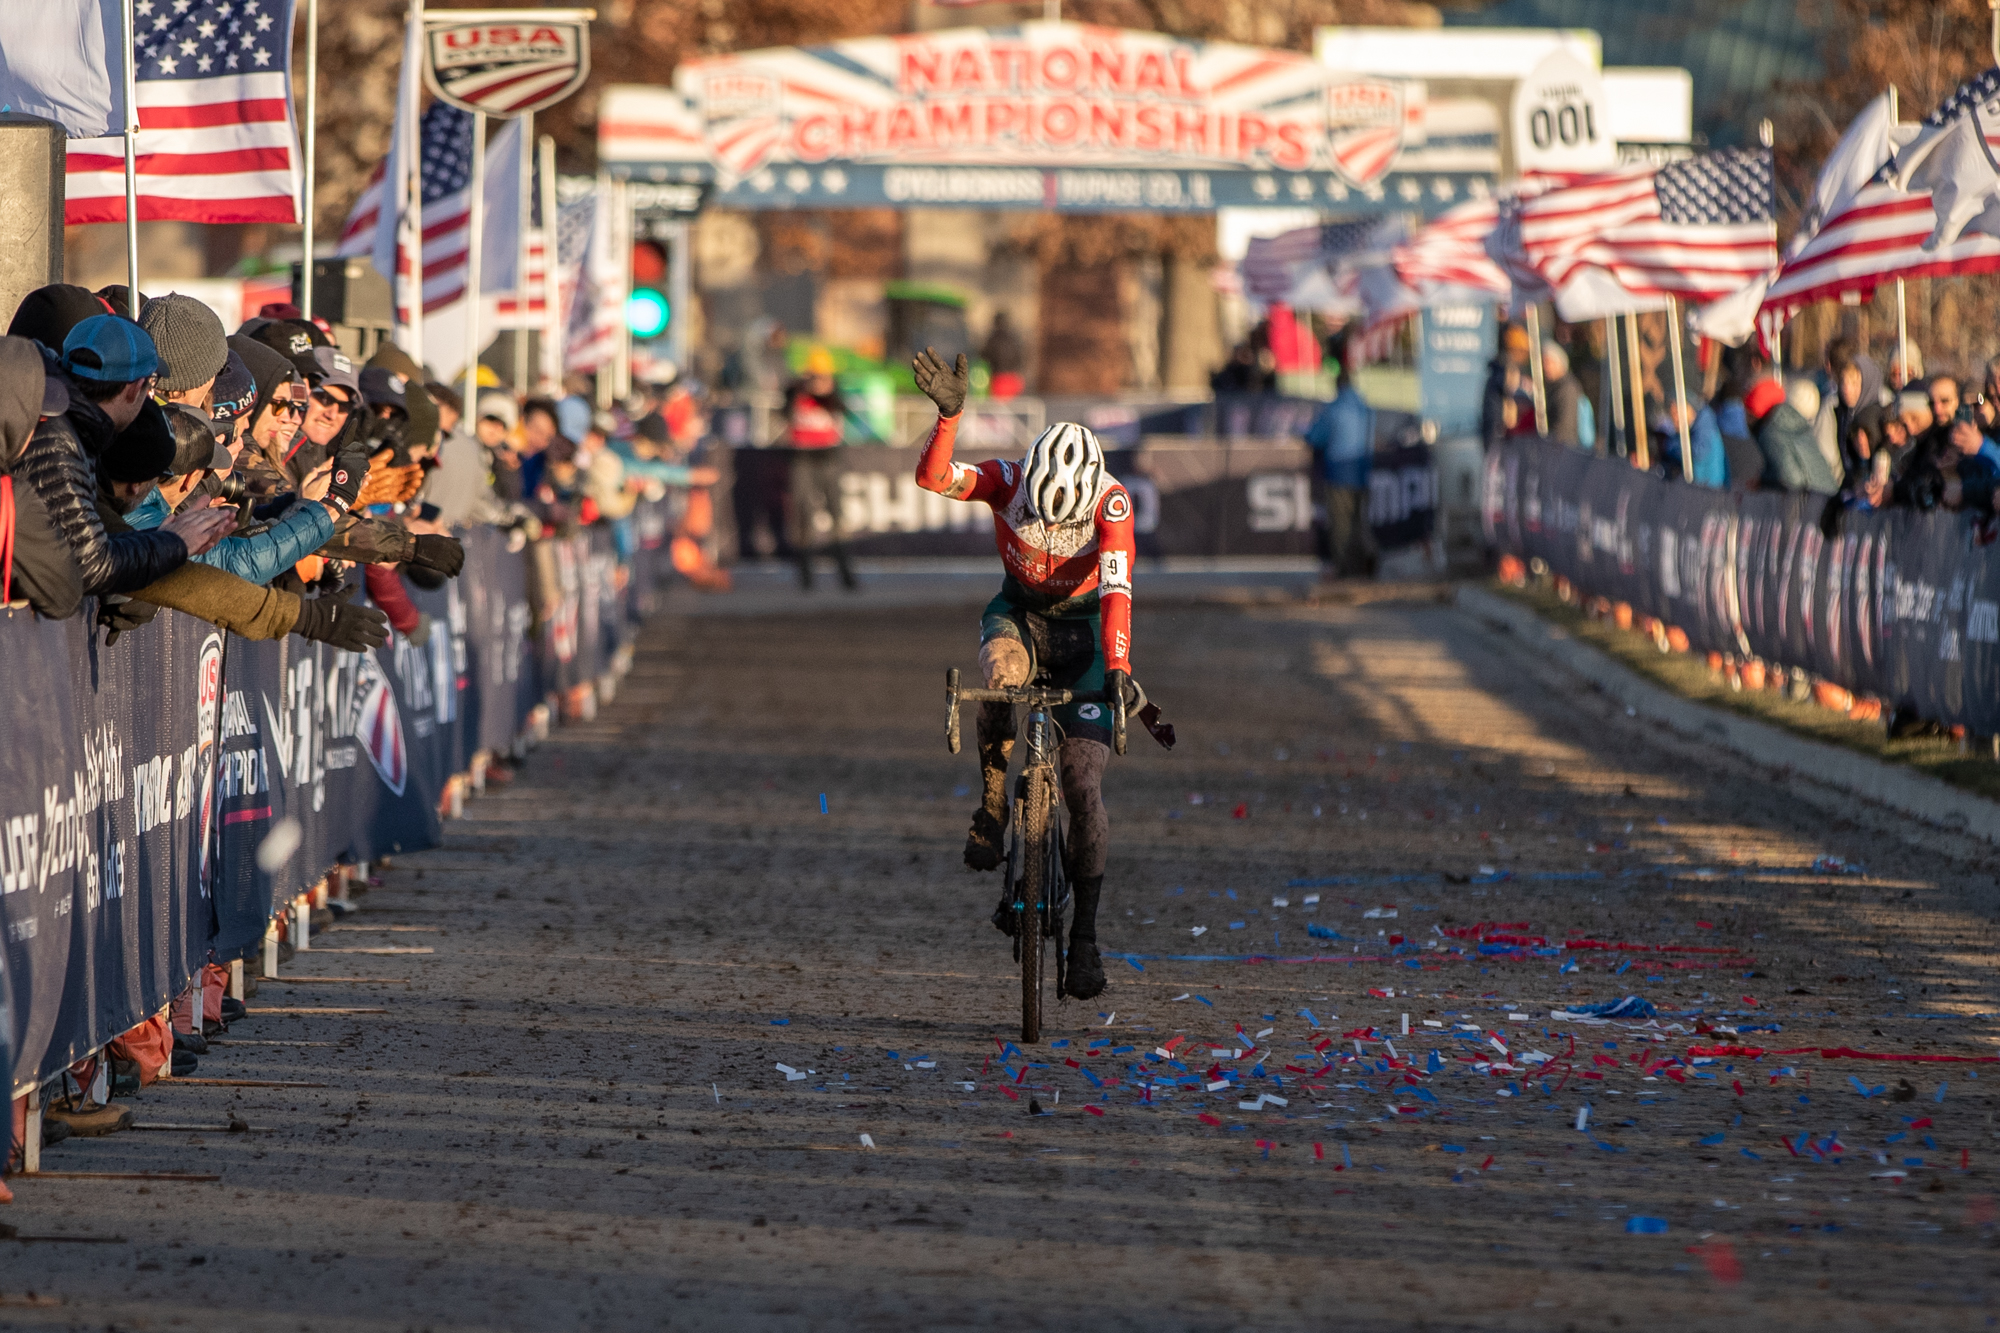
(1036, 831)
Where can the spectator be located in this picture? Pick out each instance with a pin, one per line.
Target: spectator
(1876, 488)
(1903, 374)
(1960, 474)
(1711, 456)
(539, 429)
(192, 346)
(1500, 408)
(1913, 409)
(1239, 374)
(1987, 404)
(47, 314)
(39, 564)
(232, 399)
(815, 421)
(1792, 458)
(107, 365)
(1945, 398)
(1342, 440)
(299, 529)
(1857, 385)
(1564, 397)
(1006, 357)
(1804, 396)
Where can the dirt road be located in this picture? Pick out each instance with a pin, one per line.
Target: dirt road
(572, 1115)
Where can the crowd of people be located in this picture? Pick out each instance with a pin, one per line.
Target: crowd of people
(1876, 440)
(267, 483)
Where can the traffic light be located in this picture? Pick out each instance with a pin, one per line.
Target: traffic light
(647, 310)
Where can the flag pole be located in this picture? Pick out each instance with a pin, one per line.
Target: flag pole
(524, 216)
(312, 140)
(554, 335)
(1902, 294)
(1640, 450)
(475, 238)
(1613, 392)
(131, 161)
(1535, 358)
(1680, 388)
(413, 175)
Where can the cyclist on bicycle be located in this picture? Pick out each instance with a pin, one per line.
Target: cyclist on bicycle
(1064, 528)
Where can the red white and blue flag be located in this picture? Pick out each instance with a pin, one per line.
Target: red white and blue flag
(1616, 241)
(216, 138)
(446, 135)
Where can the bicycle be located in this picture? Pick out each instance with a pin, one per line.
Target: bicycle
(1035, 879)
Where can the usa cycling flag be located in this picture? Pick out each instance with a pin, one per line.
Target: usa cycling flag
(217, 142)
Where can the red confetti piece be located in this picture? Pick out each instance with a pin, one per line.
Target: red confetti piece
(1488, 1162)
(1208, 1119)
(1072, 1064)
(1924, 1123)
(1721, 1261)
(1705, 925)
(1095, 1110)
(1319, 1152)
(1011, 1094)
(1242, 811)
(1737, 1084)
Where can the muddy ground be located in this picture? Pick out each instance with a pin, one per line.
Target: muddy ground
(570, 1115)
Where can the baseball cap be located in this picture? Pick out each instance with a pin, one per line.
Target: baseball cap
(189, 337)
(110, 348)
(235, 391)
(195, 443)
(445, 396)
(383, 387)
(291, 338)
(333, 366)
(143, 451)
(1764, 395)
(47, 314)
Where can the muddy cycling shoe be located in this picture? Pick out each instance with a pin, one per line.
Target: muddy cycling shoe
(1005, 919)
(1083, 978)
(986, 842)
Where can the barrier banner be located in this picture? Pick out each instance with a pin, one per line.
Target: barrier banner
(1900, 604)
(145, 776)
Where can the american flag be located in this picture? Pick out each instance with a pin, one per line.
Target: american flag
(1876, 234)
(446, 134)
(1697, 230)
(587, 284)
(1272, 265)
(216, 138)
(1450, 251)
(509, 312)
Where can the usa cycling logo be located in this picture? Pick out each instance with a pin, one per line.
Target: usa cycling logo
(1118, 507)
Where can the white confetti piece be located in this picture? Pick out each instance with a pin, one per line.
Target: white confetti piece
(867, 1142)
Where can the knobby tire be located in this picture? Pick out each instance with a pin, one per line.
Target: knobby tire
(1035, 832)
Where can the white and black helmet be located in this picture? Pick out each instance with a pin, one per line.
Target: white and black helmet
(1063, 474)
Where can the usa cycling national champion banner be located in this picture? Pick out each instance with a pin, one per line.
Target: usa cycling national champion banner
(1049, 116)
(1902, 605)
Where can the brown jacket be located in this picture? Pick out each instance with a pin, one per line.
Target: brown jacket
(214, 595)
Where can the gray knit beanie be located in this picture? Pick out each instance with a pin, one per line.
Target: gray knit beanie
(192, 346)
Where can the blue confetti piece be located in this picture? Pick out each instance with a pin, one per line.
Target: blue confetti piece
(894, 1056)
(1205, 1000)
(1063, 1042)
(1645, 1226)
(1346, 1157)
(781, 1022)
(1231, 893)
(822, 802)
(1137, 966)
(1434, 1064)
(1711, 1141)
(1863, 1088)
(1621, 969)
(1751, 1155)
(1307, 1014)
(1940, 1093)
(1449, 1147)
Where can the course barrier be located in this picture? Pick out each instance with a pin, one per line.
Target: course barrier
(1898, 604)
(168, 795)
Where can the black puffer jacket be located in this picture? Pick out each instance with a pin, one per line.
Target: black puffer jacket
(60, 464)
(44, 570)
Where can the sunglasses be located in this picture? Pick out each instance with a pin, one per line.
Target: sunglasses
(326, 399)
(288, 407)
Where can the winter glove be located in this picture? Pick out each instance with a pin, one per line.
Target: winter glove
(442, 555)
(421, 635)
(337, 621)
(124, 614)
(945, 385)
(392, 485)
(350, 472)
(1118, 684)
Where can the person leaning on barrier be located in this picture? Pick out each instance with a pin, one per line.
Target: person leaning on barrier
(258, 556)
(193, 349)
(142, 459)
(39, 566)
(1792, 457)
(106, 367)
(273, 463)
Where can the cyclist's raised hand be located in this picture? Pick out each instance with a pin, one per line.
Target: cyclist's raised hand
(944, 385)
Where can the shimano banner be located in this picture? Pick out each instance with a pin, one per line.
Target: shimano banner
(1899, 604)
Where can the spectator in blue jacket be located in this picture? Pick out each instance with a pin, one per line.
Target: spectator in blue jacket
(1342, 440)
(264, 550)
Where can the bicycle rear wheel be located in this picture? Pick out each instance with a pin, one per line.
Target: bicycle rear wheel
(1034, 890)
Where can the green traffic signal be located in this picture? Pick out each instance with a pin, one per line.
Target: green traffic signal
(646, 313)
